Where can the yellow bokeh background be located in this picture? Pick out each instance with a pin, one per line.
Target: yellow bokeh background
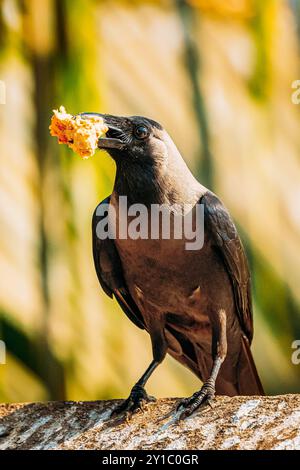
(218, 76)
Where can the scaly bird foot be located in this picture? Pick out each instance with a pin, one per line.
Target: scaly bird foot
(200, 398)
(135, 402)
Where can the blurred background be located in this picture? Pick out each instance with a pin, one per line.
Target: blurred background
(218, 76)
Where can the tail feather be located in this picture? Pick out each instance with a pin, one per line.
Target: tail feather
(248, 379)
(245, 381)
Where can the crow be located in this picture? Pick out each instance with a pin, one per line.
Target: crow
(195, 304)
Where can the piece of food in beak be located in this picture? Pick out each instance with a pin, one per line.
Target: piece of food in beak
(80, 134)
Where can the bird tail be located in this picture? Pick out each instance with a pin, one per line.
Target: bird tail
(248, 381)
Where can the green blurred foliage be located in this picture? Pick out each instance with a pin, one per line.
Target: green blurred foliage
(218, 76)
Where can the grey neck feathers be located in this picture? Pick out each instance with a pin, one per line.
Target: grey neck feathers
(147, 183)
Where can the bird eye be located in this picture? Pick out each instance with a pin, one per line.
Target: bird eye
(141, 132)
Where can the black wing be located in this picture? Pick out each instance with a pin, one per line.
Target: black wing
(109, 270)
(225, 238)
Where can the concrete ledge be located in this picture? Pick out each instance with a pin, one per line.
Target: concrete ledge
(233, 423)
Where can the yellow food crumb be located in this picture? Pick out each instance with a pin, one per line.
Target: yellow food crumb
(78, 133)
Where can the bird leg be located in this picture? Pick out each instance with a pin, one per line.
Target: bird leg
(138, 395)
(207, 392)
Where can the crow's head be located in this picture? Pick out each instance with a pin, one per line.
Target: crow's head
(134, 139)
(149, 166)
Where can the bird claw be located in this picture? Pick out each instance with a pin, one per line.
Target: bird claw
(197, 400)
(182, 403)
(137, 401)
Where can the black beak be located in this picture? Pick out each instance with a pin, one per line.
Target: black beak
(114, 138)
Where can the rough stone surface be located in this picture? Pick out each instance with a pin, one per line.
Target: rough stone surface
(232, 423)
